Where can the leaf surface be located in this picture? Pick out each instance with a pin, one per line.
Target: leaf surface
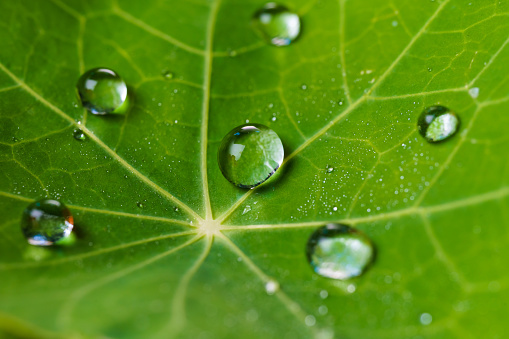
(194, 262)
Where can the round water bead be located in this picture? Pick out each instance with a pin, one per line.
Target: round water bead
(339, 252)
(102, 91)
(79, 135)
(277, 24)
(45, 222)
(438, 123)
(250, 154)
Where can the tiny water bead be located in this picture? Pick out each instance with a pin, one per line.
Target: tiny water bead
(277, 24)
(339, 252)
(167, 74)
(250, 154)
(438, 123)
(102, 91)
(79, 135)
(45, 222)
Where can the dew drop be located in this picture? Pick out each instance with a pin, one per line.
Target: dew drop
(310, 320)
(438, 123)
(250, 154)
(330, 169)
(79, 135)
(277, 24)
(102, 91)
(425, 318)
(271, 287)
(140, 204)
(339, 252)
(168, 75)
(46, 222)
(474, 92)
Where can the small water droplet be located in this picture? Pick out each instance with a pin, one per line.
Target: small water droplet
(277, 24)
(438, 123)
(430, 69)
(330, 169)
(45, 222)
(271, 287)
(168, 75)
(339, 252)
(140, 204)
(102, 91)
(310, 320)
(324, 294)
(351, 288)
(14, 139)
(250, 154)
(425, 318)
(79, 135)
(474, 92)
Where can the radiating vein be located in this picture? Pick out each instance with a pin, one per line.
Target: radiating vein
(451, 205)
(99, 142)
(139, 23)
(108, 212)
(342, 49)
(178, 307)
(89, 254)
(206, 105)
(291, 305)
(65, 314)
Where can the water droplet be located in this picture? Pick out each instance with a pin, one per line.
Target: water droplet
(79, 135)
(330, 169)
(140, 204)
(250, 154)
(45, 222)
(103, 91)
(339, 251)
(425, 318)
(271, 287)
(438, 123)
(304, 87)
(310, 320)
(167, 74)
(324, 294)
(14, 139)
(277, 24)
(474, 92)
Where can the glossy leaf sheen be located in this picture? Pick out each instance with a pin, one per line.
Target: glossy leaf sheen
(195, 260)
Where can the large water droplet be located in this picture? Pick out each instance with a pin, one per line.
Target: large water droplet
(339, 251)
(103, 91)
(79, 135)
(277, 24)
(438, 123)
(45, 222)
(250, 154)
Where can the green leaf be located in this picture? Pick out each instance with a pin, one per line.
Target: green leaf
(195, 260)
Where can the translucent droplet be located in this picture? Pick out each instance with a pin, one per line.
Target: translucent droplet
(168, 75)
(45, 222)
(330, 169)
(474, 92)
(438, 123)
(102, 91)
(79, 135)
(140, 204)
(250, 154)
(425, 318)
(277, 24)
(310, 320)
(339, 251)
(271, 287)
